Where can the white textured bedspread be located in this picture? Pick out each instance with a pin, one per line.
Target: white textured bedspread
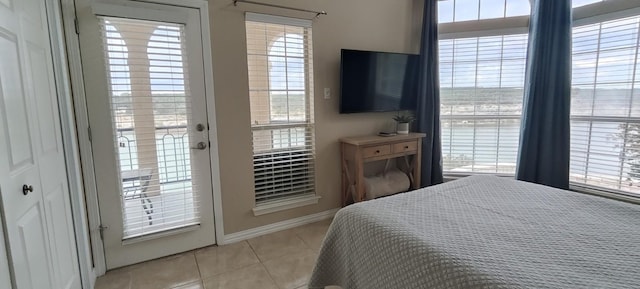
(483, 232)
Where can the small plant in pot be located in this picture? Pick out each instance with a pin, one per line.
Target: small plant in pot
(403, 122)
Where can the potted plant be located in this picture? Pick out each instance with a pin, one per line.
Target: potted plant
(403, 122)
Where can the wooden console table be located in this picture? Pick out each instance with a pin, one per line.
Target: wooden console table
(356, 151)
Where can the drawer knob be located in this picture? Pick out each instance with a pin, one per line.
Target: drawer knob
(406, 147)
(378, 151)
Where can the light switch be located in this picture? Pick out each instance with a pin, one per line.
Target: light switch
(327, 93)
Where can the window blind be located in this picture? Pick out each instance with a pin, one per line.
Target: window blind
(150, 104)
(605, 109)
(279, 54)
(481, 90)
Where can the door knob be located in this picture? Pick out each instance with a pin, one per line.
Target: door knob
(200, 146)
(26, 189)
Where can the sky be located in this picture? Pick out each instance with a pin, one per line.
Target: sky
(465, 10)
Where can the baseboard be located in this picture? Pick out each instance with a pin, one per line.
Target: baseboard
(275, 227)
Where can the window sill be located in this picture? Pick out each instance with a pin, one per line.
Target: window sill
(579, 188)
(603, 193)
(286, 204)
(449, 176)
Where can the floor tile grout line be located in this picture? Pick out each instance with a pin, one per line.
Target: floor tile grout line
(195, 257)
(255, 252)
(234, 269)
(271, 277)
(197, 268)
(288, 256)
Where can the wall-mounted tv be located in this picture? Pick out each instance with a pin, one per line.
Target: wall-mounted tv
(377, 81)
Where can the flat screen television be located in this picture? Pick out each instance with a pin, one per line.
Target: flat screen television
(377, 81)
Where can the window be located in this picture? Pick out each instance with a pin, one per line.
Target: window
(482, 86)
(150, 109)
(279, 52)
(482, 67)
(605, 112)
(467, 10)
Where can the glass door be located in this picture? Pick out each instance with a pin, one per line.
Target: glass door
(147, 107)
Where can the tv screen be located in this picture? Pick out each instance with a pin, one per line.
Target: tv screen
(377, 81)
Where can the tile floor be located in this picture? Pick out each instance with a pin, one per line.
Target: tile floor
(282, 260)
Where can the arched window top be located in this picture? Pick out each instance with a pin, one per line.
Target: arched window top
(118, 55)
(166, 62)
(290, 44)
(286, 63)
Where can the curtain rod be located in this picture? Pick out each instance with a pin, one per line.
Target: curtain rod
(318, 13)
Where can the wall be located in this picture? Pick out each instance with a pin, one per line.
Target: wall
(383, 25)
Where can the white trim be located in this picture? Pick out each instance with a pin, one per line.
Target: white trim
(133, 10)
(586, 17)
(256, 17)
(486, 27)
(573, 186)
(213, 125)
(162, 234)
(604, 11)
(198, 4)
(285, 204)
(82, 125)
(601, 192)
(70, 142)
(276, 227)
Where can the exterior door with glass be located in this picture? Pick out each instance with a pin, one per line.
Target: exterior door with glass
(145, 87)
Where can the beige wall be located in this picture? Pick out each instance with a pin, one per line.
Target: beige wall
(384, 25)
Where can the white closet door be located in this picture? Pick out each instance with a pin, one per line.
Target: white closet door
(33, 179)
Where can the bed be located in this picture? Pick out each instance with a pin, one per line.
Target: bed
(483, 232)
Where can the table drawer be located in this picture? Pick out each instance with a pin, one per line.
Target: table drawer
(370, 152)
(402, 147)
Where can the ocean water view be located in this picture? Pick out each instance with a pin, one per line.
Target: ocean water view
(481, 132)
(494, 147)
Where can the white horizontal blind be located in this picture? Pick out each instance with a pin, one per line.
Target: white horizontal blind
(150, 107)
(280, 67)
(481, 91)
(605, 109)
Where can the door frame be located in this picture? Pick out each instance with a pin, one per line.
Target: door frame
(69, 140)
(82, 121)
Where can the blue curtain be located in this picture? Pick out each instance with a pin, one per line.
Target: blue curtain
(428, 111)
(544, 139)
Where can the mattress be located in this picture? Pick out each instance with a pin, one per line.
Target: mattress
(483, 232)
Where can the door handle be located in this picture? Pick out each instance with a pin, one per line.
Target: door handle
(200, 146)
(26, 189)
